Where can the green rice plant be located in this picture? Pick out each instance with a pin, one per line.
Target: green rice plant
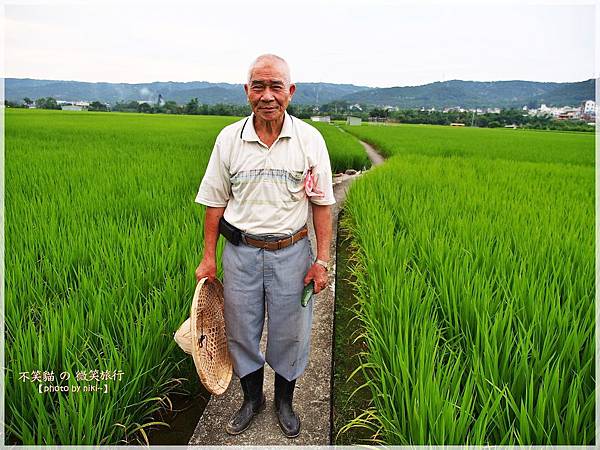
(345, 151)
(475, 282)
(446, 141)
(102, 240)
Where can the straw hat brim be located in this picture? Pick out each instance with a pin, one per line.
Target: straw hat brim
(209, 339)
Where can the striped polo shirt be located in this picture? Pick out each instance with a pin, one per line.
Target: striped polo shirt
(262, 188)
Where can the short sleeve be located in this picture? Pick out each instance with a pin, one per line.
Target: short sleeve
(322, 170)
(215, 188)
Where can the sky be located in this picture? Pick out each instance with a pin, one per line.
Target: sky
(369, 43)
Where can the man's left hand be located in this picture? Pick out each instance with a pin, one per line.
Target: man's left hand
(320, 276)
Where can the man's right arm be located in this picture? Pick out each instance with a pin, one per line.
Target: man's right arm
(208, 265)
(214, 193)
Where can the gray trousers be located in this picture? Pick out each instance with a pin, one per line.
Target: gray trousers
(257, 280)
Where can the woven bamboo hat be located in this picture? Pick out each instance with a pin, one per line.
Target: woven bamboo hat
(209, 341)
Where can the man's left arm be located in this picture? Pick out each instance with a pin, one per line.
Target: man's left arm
(322, 224)
(321, 210)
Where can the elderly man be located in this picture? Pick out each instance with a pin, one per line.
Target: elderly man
(264, 172)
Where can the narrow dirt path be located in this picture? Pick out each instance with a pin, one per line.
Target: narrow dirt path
(312, 397)
(374, 156)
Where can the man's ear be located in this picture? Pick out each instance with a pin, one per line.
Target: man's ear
(246, 89)
(292, 89)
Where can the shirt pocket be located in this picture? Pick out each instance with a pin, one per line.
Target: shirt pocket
(294, 181)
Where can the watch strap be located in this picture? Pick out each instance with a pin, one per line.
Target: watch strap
(322, 263)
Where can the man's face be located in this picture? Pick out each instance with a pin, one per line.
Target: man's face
(268, 93)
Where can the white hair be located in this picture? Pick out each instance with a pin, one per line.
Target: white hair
(270, 57)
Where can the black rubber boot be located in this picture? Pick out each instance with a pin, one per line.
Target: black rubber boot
(254, 402)
(289, 422)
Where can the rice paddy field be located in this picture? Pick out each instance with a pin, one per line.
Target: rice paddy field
(345, 151)
(474, 267)
(489, 143)
(102, 240)
(473, 259)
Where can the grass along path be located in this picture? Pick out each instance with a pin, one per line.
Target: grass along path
(350, 396)
(101, 247)
(476, 284)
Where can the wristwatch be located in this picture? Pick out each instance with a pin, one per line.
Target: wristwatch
(322, 263)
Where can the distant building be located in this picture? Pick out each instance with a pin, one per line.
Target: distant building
(326, 119)
(353, 121)
(457, 124)
(355, 106)
(544, 110)
(69, 105)
(588, 108)
(514, 126)
(567, 113)
(455, 109)
(73, 108)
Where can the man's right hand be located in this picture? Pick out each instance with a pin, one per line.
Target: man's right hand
(208, 269)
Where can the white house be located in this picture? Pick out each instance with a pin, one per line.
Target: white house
(353, 121)
(326, 119)
(588, 107)
(73, 108)
(67, 105)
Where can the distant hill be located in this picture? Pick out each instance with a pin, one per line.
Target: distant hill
(468, 94)
(473, 94)
(568, 93)
(209, 93)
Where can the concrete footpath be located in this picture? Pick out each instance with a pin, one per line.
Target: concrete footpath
(312, 397)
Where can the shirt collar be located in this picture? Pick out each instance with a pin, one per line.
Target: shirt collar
(249, 133)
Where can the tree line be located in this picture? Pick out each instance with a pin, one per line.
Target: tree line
(337, 110)
(506, 117)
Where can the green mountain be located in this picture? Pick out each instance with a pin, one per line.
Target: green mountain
(474, 94)
(568, 94)
(467, 94)
(209, 93)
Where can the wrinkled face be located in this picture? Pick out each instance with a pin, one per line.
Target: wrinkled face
(268, 91)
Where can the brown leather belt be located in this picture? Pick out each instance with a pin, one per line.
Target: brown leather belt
(276, 245)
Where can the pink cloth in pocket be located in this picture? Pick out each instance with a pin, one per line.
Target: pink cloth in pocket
(310, 185)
